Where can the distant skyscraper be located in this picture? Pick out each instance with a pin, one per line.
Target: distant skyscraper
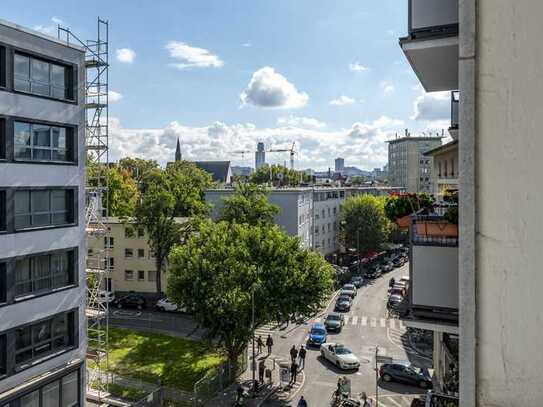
(340, 165)
(260, 155)
(178, 151)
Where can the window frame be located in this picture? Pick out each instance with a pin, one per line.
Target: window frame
(128, 253)
(3, 211)
(3, 137)
(141, 275)
(129, 275)
(142, 252)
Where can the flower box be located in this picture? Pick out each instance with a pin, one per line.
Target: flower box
(444, 229)
(404, 221)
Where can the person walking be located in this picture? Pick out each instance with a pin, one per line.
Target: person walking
(261, 370)
(293, 353)
(301, 355)
(293, 372)
(302, 402)
(269, 343)
(260, 344)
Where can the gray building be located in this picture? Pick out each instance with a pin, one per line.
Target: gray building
(220, 171)
(260, 155)
(42, 224)
(408, 167)
(339, 165)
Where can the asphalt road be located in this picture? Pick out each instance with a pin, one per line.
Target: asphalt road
(367, 326)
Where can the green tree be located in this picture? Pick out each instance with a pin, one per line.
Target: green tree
(217, 269)
(122, 194)
(363, 223)
(137, 167)
(279, 175)
(249, 204)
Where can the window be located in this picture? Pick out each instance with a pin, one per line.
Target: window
(141, 233)
(128, 253)
(2, 210)
(111, 262)
(39, 142)
(452, 167)
(31, 399)
(43, 273)
(3, 286)
(2, 138)
(2, 67)
(128, 232)
(141, 275)
(41, 339)
(48, 207)
(51, 394)
(151, 275)
(141, 253)
(129, 275)
(3, 354)
(152, 254)
(323, 214)
(111, 241)
(43, 78)
(70, 390)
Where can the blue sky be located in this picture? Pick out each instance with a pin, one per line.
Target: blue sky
(223, 75)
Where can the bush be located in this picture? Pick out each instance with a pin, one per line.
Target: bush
(403, 204)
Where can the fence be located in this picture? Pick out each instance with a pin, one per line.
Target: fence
(219, 379)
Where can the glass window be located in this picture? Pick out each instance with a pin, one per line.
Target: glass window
(141, 233)
(129, 232)
(151, 275)
(42, 208)
(51, 395)
(22, 73)
(22, 141)
(141, 275)
(40, 77)
(141, 253)
(128, 253)
(31, 399)
(39, 142)
(3, 354)
(129, 275)
(70, 393)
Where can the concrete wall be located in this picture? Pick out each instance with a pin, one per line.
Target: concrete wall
(509, 239)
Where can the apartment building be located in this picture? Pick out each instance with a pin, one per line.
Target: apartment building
(132, 264)
(42, 225)
(490, 50)
(408, 167)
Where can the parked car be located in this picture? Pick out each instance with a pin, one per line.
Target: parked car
(404, 279)
(130, 301)
(106, 296)
(164, 304)
(396, 290)
(317, 335)
(405, 373)
(357, 281)
(334, 322)
(374, 272)
(394, 302)
(398, 261)
(348, 289)
(343, 303)
(387, 266)
(340, 356)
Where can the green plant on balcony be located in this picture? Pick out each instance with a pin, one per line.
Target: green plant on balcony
(399, 206)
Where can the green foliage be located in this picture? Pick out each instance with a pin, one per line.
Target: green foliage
(137, 167)
(363, 223)
(452, 215)
(123, 193)
(399, 205)
(249, 204)
(217, 269)
(176, 362)
(280, 175)
(358, 180)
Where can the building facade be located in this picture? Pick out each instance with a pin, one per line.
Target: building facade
(408, 167)
(42, 222)
(260, 155)
(340, 165)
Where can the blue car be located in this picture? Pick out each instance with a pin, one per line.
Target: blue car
(317, 335)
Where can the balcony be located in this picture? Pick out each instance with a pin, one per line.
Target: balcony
(433, 269)
(431, 47)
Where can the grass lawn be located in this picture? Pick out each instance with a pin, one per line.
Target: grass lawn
(176, 362)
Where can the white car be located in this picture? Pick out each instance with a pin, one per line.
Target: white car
(340, 356)
(106, 296)
(164, 304)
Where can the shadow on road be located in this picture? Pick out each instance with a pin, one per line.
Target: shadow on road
(400, 388)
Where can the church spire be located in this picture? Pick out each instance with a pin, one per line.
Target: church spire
(178, 151)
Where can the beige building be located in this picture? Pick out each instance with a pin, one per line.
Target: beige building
(445, 171)
(408, 167)
(132, 263)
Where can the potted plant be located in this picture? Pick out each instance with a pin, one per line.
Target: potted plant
(400, 206)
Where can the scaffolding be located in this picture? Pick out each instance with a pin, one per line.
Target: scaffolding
(96, 198)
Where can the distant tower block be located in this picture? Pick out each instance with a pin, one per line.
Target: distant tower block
(260, 155)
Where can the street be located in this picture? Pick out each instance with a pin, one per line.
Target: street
(366, 326)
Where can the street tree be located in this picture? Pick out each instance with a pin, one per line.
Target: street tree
(137, 167)
(279, 175)
(363, 223)
(218, 271)
(249, 204)
(123, 193)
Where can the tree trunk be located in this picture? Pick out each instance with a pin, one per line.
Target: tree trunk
(158, 274)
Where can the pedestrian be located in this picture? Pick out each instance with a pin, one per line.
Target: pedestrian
(260, 344)
(293, 372)
(239, 393)
(269, 343)
(301, 355)
(293, 353)
(391, 282)
(261, 370)
(302, 402)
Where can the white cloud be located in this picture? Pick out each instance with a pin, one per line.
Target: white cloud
(304, 122)
(387, 87)
(342, 101)
(432, 107)
(192, 57)
(358, 67)
(362, 145)
(125, 55)
(51, 28)
(114, 96)
(247, 44)
(390, 33)
(270, 89)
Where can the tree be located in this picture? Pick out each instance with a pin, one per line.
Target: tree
(279, 175)
(122, 194)
(217, 269)
(249, 204)
(137, 167)
(363, 223)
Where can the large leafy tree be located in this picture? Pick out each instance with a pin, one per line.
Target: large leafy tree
(137, 167)
(249, 204)
(123, 193)
(363, 223)
(279, 175)
(217, 270)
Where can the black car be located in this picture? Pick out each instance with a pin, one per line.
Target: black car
(334, 322)
(130, 301)
(343, 303)
(405, 373)
(357, 281)
(374, 272)
(398, 261)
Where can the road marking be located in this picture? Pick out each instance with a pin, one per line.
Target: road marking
(364, 321)
(346, 319)
(401, 325)
(392, 323)
(373, 322)
(394, 402)
(355, 320)
(383, 323)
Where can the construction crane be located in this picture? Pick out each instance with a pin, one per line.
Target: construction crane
(290, 150)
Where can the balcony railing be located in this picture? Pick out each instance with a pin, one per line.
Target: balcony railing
(431, 17)
(433, 230)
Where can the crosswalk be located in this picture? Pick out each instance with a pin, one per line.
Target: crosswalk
(372, 322)
(395, 400)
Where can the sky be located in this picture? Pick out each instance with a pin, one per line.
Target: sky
(223, 75)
